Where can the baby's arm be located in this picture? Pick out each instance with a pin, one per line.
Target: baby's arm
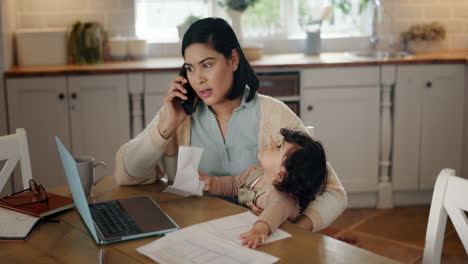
(225, 185)
(256, 235)
(278, 208)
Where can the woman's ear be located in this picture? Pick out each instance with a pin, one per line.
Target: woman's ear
(235, 59)
(279, 176)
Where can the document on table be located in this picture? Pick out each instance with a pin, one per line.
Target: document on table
(230, 227)
(219, 243)
(15, 225)
(187, 181)
(187, 247)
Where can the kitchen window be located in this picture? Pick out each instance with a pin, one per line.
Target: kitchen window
(157, 20)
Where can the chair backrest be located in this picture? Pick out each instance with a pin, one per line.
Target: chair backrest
(14, 148)
(310, 129)
(450, 198)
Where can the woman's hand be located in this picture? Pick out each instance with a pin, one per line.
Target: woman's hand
(305, 223)
(256, 236)
(207, 179)
(173, 113)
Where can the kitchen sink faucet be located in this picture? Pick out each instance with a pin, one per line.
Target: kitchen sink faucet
(377, 17)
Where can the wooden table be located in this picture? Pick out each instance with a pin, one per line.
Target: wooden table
(69, 241)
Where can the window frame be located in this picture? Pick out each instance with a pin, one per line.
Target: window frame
(290, 43)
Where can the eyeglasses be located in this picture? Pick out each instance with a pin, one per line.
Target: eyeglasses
(34, 194)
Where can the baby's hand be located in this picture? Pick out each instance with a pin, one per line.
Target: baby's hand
(256, 236)
(253, 207)
(207, 179)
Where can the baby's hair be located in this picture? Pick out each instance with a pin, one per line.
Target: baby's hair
(306, 167)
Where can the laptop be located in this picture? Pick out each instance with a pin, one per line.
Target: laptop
(115, 220)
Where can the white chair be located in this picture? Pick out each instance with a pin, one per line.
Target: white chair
(14, 148)
(450, 198)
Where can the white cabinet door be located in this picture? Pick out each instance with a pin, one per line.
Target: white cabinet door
(39, 105)
(428, 124)
(442, 123)
(156, 87)
(100, 116)
(345, 113)
(347, 123)
(153, 102)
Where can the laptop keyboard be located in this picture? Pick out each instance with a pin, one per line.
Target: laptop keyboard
(112, 220)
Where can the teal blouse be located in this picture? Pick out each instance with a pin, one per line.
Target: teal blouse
(239, 150)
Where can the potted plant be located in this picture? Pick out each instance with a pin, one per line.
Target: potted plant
(85, 43)
(424, 37)
(234, 9)
(182, 28)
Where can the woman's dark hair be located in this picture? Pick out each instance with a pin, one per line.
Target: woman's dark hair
(217, 33)
(306, 168)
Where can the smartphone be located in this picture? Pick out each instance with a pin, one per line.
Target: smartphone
(189, 105)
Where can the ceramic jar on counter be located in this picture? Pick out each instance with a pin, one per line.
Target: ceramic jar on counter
(137, 49)
(122, 48)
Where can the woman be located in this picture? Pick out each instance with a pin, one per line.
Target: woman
(231, 122)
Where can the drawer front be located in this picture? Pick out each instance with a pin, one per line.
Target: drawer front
(294, 106)
(279, 84)
(341, 77)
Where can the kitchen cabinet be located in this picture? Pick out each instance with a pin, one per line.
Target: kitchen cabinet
(89, 113)
(345, 112)
(428, 124)
(284, 86)
(156, 86)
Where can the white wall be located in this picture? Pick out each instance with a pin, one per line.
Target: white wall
(400, 14)
(3, 64)
(465, 130)
(3, 116)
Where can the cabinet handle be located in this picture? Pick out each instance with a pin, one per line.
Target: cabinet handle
(61, 96)
(310, 108)
(429, 84)
(74, 95)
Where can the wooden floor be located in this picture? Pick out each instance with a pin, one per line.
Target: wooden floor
(397, 233)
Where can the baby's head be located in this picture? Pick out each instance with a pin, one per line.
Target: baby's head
(299, 165)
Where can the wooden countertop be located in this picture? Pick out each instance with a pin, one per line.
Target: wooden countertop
(268, 61)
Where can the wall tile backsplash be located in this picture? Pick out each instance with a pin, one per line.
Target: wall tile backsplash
(117, 16)
(453, 14)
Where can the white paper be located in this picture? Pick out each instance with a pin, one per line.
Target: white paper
(212, 242)
(14, 224)
(230, 227)
(187, 247)
(187, 180)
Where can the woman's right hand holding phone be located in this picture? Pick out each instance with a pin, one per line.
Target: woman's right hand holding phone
(173, 113)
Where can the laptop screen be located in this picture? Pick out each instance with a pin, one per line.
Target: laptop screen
(74, 181)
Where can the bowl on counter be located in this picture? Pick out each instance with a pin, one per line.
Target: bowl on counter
(137, 49)
(253, 51)
(118, 48)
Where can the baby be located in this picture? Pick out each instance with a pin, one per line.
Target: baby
(291, 174)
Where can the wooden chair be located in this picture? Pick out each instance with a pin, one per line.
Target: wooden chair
(450, 198)
(14, 148)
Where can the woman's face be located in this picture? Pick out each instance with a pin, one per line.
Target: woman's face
(209, 72)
